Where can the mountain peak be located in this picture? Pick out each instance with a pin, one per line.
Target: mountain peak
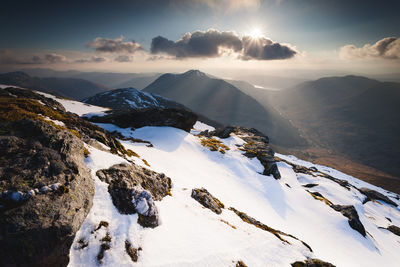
(195, 73)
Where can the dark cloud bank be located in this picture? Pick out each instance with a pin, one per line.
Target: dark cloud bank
(211, 43)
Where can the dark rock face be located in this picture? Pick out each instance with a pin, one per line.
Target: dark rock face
(136, 118)
(394, 229)
(351, 213)
(133, 189)
(47, 192)
(312, 263)
(372, 194)
(207, 200)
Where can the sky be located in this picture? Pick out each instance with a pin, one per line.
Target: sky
(220, 35)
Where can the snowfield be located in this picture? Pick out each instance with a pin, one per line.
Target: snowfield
(191, 235)
(79, 108)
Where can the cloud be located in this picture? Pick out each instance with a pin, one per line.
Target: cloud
(197, 44)
(386, 48)
(265, 49)
(54, 58)
(14, 58)
(123, 58)
(213, 43)
(93, 59)
(114, 45)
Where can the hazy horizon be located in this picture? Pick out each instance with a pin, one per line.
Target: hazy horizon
(309, 39)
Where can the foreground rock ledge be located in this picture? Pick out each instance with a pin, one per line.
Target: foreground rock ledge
(45, 166)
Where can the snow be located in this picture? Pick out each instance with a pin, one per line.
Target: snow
(3, 86)
(56, 122)
(200, 126)
(77, 107)
(190, 235)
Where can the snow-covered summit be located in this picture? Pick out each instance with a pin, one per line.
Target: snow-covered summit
(130, 98)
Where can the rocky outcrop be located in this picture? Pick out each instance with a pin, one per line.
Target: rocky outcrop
(136, 118)
(257, 145)
(314, 172)
(207, 200)
(374, 195)
(351, 213)
(133, 189)
(246, 218)
(312, 263)
(47, 192)
(394, 229)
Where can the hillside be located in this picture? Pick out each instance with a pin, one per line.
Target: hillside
(174, 192)
(66, 87)
(223, 102)
(351, 116)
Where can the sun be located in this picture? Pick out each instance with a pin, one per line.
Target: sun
(256, 33)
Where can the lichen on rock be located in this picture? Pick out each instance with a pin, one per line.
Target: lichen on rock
(207, 200)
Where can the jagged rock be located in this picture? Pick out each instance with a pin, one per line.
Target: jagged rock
(39, 164)
(131, 251)
(240, 264)
(133, 189)
(351, 213)
(136, 118)
(312, 263)
(223, 132)
(207, 200)
(394, 229)
(310, 185)
(372, 194)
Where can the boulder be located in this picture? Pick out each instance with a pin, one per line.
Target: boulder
(312, 263)
(394, 229)
(133, 189)
(136, 118)
(351, 213)
(47, 192)
(207, 200)
(372, 194)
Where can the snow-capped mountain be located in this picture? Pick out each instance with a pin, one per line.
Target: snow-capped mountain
(130, 98)
(163, 196)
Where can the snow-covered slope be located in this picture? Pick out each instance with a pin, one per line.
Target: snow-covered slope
(191, 235)
(79, 108)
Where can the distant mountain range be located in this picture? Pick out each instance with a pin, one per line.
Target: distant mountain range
(223, 102)
(66, 87)
(352, 115)
(108, 79)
